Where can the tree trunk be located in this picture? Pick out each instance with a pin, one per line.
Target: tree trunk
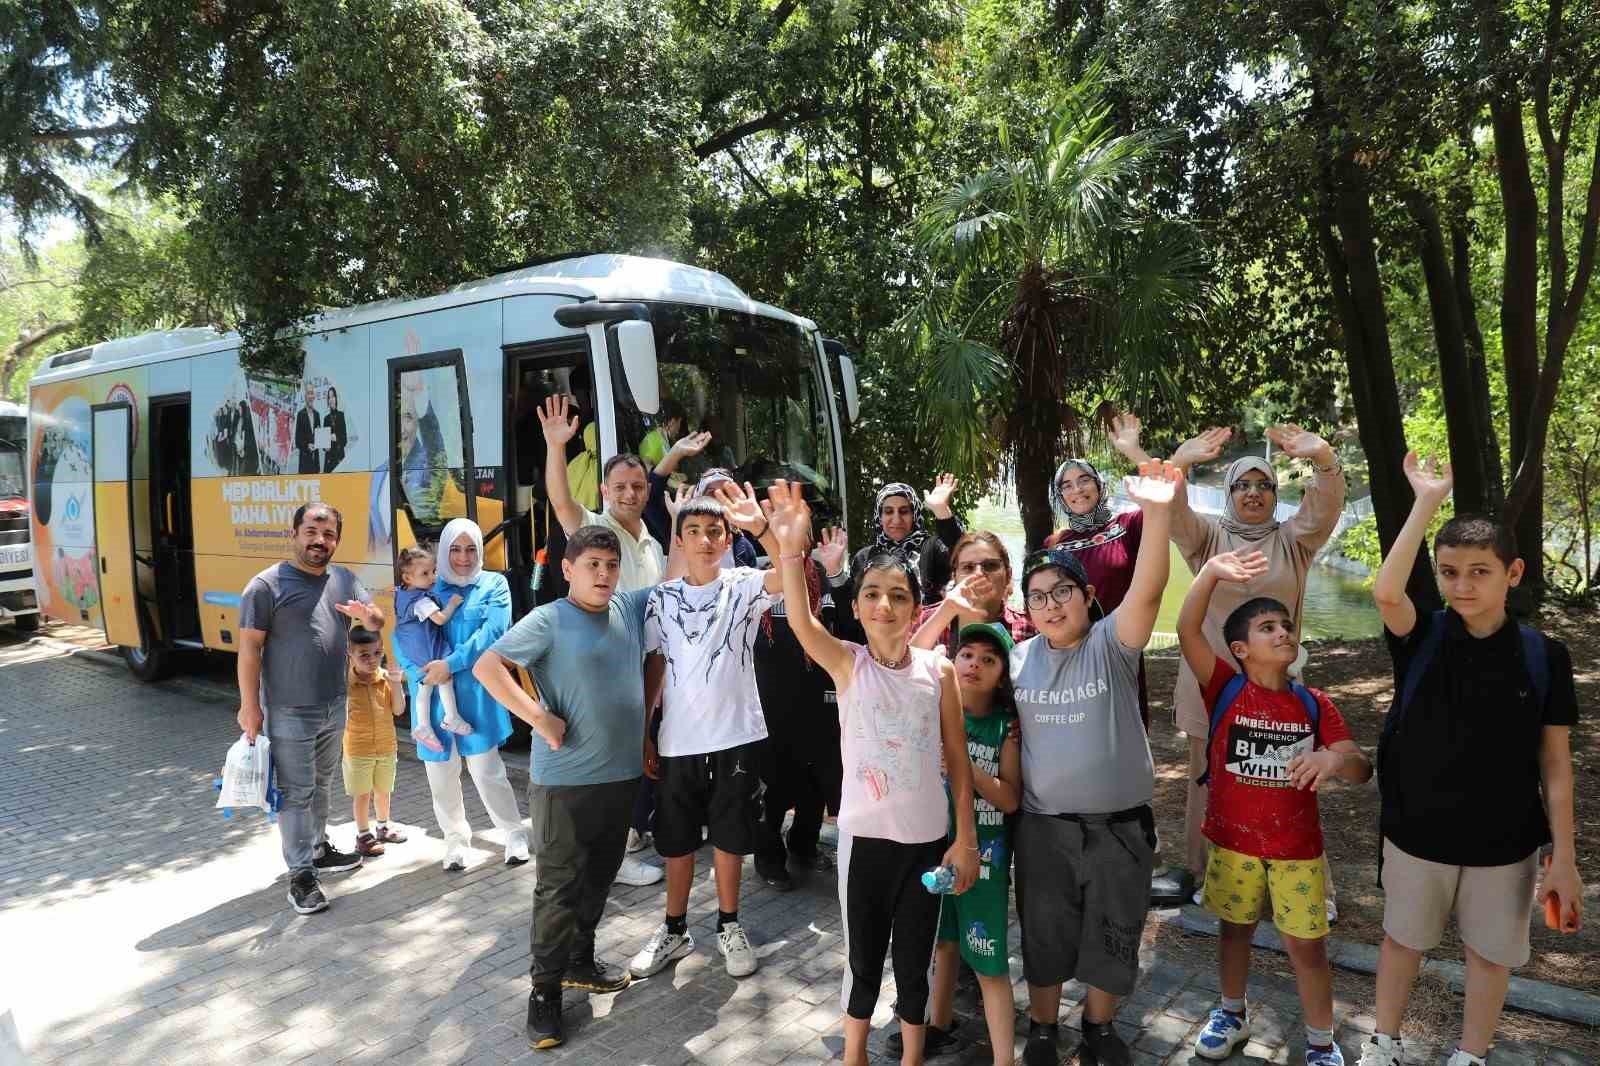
(1477, 367)
(1472, 479)
(1352, 262)
(1035, 463)
(11, 358)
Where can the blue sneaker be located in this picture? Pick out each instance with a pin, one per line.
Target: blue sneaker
(1224, 1032)
(1324, 1056)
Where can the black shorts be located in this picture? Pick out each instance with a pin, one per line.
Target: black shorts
(721, 790)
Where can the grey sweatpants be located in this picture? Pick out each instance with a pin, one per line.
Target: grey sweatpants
(307, 745)
(580, 833)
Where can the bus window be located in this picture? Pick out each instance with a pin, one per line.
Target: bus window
(432, 443)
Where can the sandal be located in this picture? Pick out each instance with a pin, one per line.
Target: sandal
(390, 835)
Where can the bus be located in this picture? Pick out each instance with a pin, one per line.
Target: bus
(17, 601)
(164, 474)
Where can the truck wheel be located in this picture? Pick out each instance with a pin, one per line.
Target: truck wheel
(147, 663)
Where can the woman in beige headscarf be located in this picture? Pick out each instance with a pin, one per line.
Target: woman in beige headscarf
(1249, 521)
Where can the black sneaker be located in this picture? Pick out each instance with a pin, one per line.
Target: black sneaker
(1103, 1046)
(1041, 1046)
(544, 1019)
(305, 895)
(776, 875)
(328, 859)
(592, 975)
(935, 1041)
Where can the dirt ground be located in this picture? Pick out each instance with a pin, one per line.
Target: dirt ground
(1358, 677)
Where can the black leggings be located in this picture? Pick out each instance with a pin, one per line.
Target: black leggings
(881, 895)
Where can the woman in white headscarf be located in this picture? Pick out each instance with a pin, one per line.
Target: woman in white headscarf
(1249, 522)
(484, 615)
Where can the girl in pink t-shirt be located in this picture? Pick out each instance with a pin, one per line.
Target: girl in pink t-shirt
(899, 713)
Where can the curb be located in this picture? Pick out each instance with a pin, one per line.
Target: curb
(1524, 994)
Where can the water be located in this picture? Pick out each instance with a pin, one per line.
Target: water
(1338, 605)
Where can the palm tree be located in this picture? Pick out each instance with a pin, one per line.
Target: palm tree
(1047, 281)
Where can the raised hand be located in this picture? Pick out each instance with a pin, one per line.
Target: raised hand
(938, 501)
(1430, 479)
(831, 552)
(1157, 482)
(1238, 567)
(969, 593)
(1125, 430)
(557, 420)
(790, 517)
(1202, 448)
(691, 444)
(740, 504)
(1300, 443)
(676, 500)
(395, 675)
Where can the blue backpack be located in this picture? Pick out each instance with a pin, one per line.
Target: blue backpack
(1230, 693)
(1535, 659)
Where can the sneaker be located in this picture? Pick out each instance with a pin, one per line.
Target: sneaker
(1324, 1056)
(775, 875)
(368, 846)
(305, 895)
(1333, 910)
(390, 835)
(455, 858)
(1223, 1032)
(1382, 1051)
(1103, 1046)
(1462, 1058)
(935, 1041)
(636, 872)
(517, 849)
(638, 841)
(592, 975)
(544, 1019)
(328, 859)
(737, 953)
(662, 949)
(1041, 1049)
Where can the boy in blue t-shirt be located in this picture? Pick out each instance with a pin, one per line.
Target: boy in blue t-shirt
(590, 716)
(419, 634)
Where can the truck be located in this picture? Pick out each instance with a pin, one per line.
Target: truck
(18, 602)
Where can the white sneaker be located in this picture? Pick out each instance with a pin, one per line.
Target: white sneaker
(1462, 1058)
(455, 857)
(737, 953)
(634, 872)
(662, 949)
(1333, 910)
(638, 841)
(1381, 1051)
(517, 849)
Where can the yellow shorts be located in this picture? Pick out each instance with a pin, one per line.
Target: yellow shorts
(1237, 887)
(368, 773)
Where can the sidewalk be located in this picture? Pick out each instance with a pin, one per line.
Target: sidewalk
(139, 926)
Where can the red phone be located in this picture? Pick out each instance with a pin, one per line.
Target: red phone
(1553, 918)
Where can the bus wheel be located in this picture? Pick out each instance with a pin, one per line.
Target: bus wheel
(27, 623)
(147, 663)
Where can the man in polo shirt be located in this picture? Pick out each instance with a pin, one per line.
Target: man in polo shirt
(624, 488)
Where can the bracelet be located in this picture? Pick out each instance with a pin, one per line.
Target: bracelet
(1332, 468)
(791, 558)
(765, 526)
(964, 847)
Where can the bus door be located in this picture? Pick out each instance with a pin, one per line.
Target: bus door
(172, 521)
(112, 446)
(534, 541)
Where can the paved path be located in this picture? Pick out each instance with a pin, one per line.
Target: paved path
(138, 926)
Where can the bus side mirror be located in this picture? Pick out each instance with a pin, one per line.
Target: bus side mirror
(636, 344)
(852, 394)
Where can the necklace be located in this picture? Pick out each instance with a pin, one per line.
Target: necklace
(890, 664)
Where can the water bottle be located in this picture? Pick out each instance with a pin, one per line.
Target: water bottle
(940, 880)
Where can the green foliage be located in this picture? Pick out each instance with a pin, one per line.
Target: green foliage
(36, 301)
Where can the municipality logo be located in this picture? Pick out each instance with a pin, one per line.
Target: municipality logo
(73, 509)
(979, 940)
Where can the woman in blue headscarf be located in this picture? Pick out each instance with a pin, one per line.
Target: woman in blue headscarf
(484, 615)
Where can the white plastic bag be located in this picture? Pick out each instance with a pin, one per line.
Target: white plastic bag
(244, 776)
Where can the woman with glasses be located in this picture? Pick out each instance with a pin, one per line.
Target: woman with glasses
(981, 569)
(1249, 522)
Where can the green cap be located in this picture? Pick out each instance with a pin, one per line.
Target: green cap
(990, 631)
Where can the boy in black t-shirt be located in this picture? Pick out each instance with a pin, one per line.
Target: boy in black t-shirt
(1474, 768)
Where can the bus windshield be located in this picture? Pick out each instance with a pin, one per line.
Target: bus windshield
(754, 383)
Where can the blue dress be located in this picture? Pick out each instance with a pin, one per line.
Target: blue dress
(482, 618)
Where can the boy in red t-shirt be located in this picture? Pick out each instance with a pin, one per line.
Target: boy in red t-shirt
(1267, 758)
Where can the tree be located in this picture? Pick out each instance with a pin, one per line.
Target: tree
(1043, 280)
(36, 309)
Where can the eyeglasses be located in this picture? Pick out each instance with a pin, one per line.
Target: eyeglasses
(1247, 487)
(988, 566)
(1061, 594)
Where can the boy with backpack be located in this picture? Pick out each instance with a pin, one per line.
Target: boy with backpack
(1272, 745)
(1474, 770)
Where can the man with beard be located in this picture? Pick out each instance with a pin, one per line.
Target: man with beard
(292, 670)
